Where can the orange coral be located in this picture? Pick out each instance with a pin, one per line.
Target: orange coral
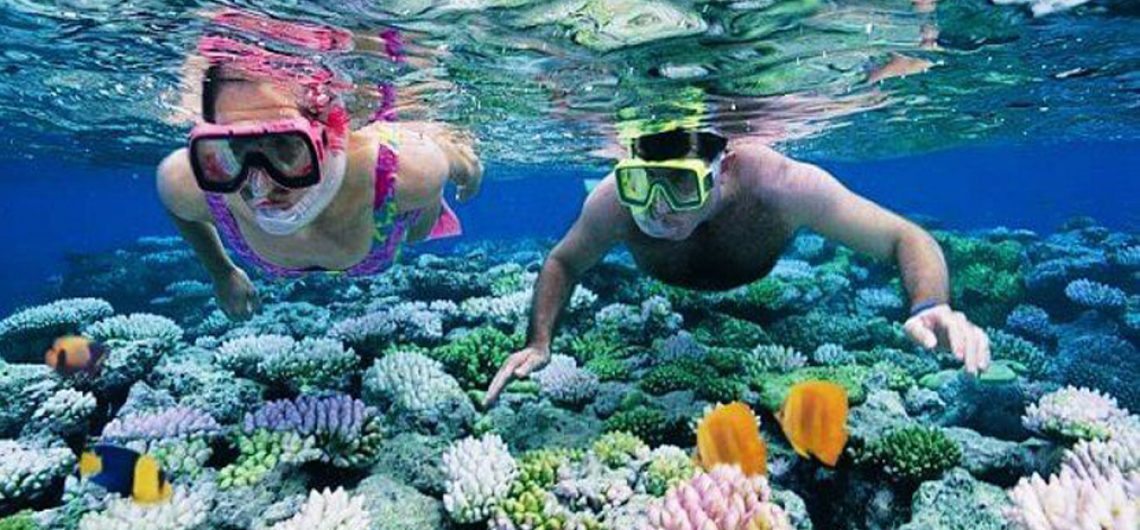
(730, 434)
(814, 419)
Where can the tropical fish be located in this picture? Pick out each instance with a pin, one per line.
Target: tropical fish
(72, 354)
(123, 471)
(730, 434)
(899, 66)
(814, 419)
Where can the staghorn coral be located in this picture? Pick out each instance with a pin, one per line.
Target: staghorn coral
(1094, 295)
(25, 388)
(722, 499)
(136, 327)
(620, 449)
(476, 356)
(479, 476)
(831, 355)
(281, 362)
(28, 473)
(185, 510)
(1067, 501)
(65, 413)
(668, 466)
(911, 454)
(26, 334)
(329, 510)
(414, 391)
(1031, 322)
(773, 358)
(415, 322)
(566, 384)
(1073, 413)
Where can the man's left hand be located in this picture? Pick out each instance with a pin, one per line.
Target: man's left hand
(940, 326)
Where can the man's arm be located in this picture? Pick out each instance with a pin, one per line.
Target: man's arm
(596, 231)
(809, 196)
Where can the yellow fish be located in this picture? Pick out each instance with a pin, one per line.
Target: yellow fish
(126, 472)
(814, 419)
(730, 434)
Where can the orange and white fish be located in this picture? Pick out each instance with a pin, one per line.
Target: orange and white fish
(814, 419)
(730, 434)
(72, 354)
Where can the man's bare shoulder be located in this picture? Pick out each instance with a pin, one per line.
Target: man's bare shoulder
(762, 169)
(603, 210)
(177, 188)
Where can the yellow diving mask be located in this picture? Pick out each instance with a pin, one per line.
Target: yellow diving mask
(686, 183)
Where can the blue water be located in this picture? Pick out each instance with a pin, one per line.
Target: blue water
(54, 209)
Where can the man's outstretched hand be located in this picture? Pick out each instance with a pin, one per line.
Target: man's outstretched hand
(945, 328)
(519, 364)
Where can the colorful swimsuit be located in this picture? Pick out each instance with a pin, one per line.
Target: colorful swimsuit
(390, 226)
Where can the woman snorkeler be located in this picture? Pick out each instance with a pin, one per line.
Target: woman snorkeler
(273, 169)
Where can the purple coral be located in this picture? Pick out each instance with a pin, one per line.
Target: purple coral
(722, 499)
(338, 415)
(175, 422)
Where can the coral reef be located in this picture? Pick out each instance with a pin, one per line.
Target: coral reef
(329, 510)
(1073, 413)
(26, 334)
(479, 475)
(911, 454)
(415, 392)
(722, 499)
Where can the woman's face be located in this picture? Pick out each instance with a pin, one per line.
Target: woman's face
(251, 102)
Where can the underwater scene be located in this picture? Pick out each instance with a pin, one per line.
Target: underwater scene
(570, 265)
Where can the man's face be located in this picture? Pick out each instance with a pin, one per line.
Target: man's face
(659, 219)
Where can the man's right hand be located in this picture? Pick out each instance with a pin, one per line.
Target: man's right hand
(237, 297)
(519, 364)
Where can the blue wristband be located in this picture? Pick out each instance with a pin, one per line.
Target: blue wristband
(924, 305)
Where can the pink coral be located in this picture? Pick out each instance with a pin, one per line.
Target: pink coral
(722, 499)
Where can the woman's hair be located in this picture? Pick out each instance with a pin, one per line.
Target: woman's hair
(216, 76)
(678, 143)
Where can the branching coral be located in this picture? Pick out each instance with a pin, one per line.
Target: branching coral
(727, 331)
(282, 362)
(831, 355)
(722, 499)
(1067, 501)
(179, 437)
(649, 424)
(566, 384)
(136, 327)
(186, 510)
(1073, 413)
(1096, 295)
(474, 358)
(620, 449)
(1031, 322)
(668, 466)
(65, 413)
(26, 334)
(414, 391)
(479, 475)
(774, 388)
(773, 358)
(329, 510)
(335, 429)
(24, 387)
(911, 454)
(27, 473)
(404, 322)
(655, 318)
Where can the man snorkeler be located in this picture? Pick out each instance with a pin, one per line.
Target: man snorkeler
(700, 212)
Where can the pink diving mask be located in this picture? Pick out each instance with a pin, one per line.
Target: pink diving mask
(291, 151)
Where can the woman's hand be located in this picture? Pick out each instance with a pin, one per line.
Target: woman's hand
(237, 297)
(519, 364)
(943, 327)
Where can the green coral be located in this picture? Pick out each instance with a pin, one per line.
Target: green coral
(668, 466)
(722, 390)
(649, 424)
(727, 361)
(475, 357)
(774, 387)
(912, 454)
(896, 377)
(20, 521)
(723, 330)
(262, 452)
(985, 276)
(1006, 346)
(534, 508)
(619, 448)
(608, 369)
(677, 375)
(917, 365)
(593, 344)
(812, 330)
(539, 468)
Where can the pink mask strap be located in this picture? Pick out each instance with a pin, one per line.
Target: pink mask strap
(312, 36)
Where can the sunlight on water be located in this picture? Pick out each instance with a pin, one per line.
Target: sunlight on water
(887, 77)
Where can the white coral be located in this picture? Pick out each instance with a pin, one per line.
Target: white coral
(1074, 413)
(136, 326)
(479, 475)
(1069, 502)
(564, 382)
(27, 472)
(410, 383)
(185, 510)
(329, 510)
(65, 412)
